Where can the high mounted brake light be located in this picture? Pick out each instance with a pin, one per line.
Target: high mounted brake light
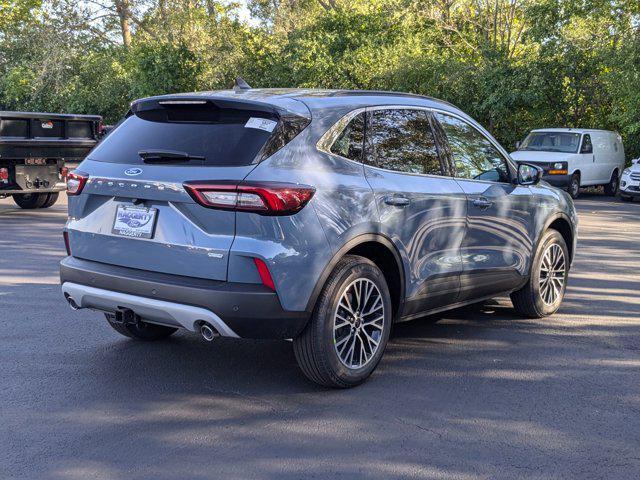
(264, 198)
(75, 183)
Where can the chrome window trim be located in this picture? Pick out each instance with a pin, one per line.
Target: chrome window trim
(330, 136)
(326, 141)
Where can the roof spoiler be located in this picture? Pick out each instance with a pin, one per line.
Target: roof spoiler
(291, 107)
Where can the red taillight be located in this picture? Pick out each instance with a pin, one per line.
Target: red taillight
(67, 245)
(4, 175)
(265, 275)
(265, 198)
(100, 128)
(75, 183)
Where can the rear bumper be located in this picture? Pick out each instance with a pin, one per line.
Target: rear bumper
(238, 309)
(58, 187)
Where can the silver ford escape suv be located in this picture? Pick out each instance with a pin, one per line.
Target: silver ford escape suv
(321, 216)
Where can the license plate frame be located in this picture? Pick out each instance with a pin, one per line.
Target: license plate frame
(132, 221)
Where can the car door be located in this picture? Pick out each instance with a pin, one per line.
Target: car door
(500, 223)
(422, 209)
(603, 155)
(587, 162)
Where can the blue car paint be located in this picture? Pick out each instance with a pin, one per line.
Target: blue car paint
(450, 250)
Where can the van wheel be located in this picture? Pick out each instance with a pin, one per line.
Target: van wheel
(51, 199)
(349, 329)
(141, 330)
(574, 185)
(544, 292)
(611, 188)
(30, 200)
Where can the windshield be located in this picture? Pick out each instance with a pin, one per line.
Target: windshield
(551, 142)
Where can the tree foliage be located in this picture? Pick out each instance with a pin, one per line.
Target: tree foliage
(513, 64)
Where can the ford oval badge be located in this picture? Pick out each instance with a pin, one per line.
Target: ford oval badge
(133, 171)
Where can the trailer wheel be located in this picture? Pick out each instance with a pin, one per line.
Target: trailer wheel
(51, 199)
(30, 200)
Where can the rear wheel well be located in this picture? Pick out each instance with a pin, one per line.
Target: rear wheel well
(386, 261)
(562, 226)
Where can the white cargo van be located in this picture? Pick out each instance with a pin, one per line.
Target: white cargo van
(575, 157)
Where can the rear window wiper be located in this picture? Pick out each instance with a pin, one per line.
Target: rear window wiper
(167, 156)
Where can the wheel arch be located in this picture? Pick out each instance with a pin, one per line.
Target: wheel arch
(562, 224)
(380, 250)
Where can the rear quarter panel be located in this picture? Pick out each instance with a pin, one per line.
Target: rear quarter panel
(298, 248)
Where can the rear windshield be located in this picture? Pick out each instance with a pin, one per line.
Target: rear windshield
(227, 138)
(551, 142)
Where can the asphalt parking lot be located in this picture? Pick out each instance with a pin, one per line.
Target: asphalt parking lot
(480, 394)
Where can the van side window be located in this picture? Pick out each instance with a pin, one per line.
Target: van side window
(474, 155)
(587, 147)
(350, 142)
(401, 140)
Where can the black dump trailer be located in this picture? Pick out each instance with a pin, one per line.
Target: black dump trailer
(34, 148)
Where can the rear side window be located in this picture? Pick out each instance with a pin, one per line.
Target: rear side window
(222, 137)
(474, 155)
(402, 140)
(350, 142)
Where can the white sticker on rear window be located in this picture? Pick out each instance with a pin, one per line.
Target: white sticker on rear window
(261, 124)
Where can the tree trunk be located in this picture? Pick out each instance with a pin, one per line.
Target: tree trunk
(124, 14)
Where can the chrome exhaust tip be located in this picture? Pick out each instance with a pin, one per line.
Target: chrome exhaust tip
(72, 303)
(208, 332)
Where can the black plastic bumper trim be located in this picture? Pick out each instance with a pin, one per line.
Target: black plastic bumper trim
(251, 310)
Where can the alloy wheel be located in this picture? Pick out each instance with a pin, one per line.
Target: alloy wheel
(358, 323)
(552, 274)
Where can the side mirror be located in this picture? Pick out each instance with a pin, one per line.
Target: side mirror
(635, 160)
(529, 174)
(518, 143)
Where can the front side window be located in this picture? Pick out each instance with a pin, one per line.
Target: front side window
(350, 142)
(587, 147)
(402, 140)
(474, 155)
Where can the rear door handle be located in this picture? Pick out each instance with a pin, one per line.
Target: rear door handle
(482, 202)
(397, 201)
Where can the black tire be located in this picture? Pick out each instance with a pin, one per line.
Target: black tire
(625, 198)
(574, 186)
(30, 201)
(141, 330)
(528, 301)
(51, 199)
(316, 349)
(611, 188)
